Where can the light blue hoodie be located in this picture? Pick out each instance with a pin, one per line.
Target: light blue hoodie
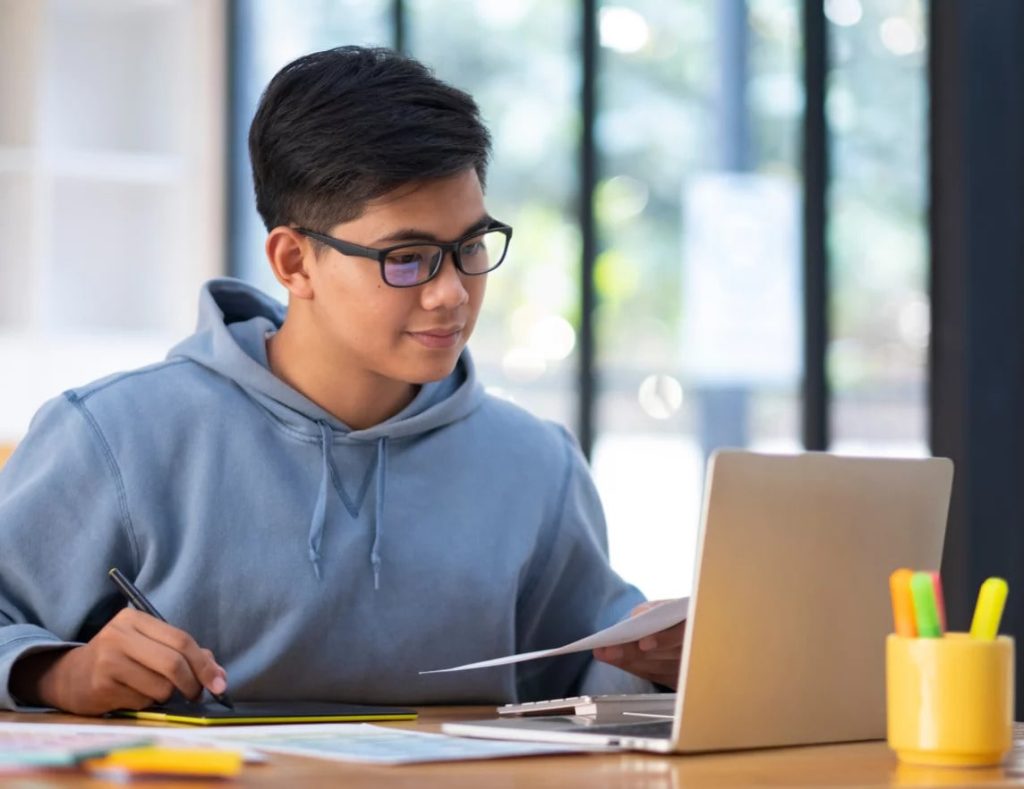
(316, 561)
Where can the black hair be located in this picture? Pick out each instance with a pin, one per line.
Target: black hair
(338, 128)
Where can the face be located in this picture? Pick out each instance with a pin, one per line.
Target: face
(409, 335)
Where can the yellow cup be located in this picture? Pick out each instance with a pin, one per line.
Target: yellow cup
(949, 700)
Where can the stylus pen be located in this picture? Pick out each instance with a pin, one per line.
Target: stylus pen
(137, 599)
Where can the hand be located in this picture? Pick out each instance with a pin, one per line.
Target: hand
(654, 657)
(133, 662)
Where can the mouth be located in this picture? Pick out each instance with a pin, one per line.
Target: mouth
(441, 337)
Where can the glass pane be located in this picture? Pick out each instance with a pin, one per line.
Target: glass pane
(699, 317)
(272, 33)
(877, 114)
(518, 59)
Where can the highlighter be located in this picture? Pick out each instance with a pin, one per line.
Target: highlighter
(925, 611)
(989, 609)
(902, 603)
(156, 761)
(940, 600)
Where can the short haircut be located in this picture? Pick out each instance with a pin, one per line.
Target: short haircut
(338, 128)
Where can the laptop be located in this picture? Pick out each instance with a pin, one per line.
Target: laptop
(785, 643)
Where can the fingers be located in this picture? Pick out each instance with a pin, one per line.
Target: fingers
(170, 653)
(654, 657)
(133, 661)
(662, 668)
(630, 654)
(86, 681)
(664, 645)
(219, 683)
(669, 638)
(138, 685)
(124, 697)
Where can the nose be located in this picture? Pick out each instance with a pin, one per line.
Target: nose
(446, 290)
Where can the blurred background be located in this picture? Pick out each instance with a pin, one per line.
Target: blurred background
(721, 211)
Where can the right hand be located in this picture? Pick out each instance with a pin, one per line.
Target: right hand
(133, 662)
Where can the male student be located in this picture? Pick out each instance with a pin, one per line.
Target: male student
(321, 501)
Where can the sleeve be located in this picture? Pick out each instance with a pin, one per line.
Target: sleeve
(571, 591)
(63, 524)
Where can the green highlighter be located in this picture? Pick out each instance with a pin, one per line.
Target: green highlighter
(922, 589)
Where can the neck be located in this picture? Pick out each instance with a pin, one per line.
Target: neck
(356, 396)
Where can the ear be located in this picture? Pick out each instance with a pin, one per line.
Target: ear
(290, 254)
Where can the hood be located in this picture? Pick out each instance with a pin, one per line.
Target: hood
(235, 320)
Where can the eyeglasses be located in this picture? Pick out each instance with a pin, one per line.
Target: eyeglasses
(411, 264)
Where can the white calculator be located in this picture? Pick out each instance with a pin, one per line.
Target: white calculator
(606, 707)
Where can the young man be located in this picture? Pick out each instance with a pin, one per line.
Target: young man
(323, 497)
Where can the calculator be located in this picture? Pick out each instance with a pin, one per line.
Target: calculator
(601, 707)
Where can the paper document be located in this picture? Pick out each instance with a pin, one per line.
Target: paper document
(159, 736)
(48, 748)
(364, 742)
(669, 613)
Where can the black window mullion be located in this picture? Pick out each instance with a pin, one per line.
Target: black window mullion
(399, 17)
(238, 181)
(588, 226)
(816, 398)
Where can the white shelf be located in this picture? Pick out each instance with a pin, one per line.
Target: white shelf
(16, 231)
(116, 166)
(114, 72)
(19, 54)
(112, 118)
(125, 231)
(16, 160)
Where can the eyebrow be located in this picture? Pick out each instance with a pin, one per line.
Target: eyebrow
(413, 234)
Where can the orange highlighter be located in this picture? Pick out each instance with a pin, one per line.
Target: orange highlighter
(902, 603)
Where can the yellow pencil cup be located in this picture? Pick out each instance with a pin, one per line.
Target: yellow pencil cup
(949, 701)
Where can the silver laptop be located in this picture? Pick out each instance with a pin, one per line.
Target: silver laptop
(785, 643)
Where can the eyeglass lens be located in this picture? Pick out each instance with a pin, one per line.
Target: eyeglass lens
(416, 263)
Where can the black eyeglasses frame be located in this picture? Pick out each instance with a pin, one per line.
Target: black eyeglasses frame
(380, 255)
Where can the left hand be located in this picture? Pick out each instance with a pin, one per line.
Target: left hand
(654, 657)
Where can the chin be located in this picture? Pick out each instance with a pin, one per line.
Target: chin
(426, 371)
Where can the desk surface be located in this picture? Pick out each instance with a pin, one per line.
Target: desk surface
(856, 764)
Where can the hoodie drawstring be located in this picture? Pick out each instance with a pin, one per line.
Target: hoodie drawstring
(316, 526)
(382, 472)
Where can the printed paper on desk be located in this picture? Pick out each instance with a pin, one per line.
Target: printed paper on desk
(161, 736)
(669, 613)
(363, 742)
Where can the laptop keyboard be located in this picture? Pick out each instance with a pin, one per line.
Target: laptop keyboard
(659, 730)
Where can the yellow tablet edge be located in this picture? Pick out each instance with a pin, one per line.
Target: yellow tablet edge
(171, 718)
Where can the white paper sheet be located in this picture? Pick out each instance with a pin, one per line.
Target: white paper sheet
(669, 613)
(352, 742)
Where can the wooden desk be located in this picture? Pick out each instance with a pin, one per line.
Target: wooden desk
(856, 764)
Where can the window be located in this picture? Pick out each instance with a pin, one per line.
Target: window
(699, 322)
(697, 279)
(877, 116)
